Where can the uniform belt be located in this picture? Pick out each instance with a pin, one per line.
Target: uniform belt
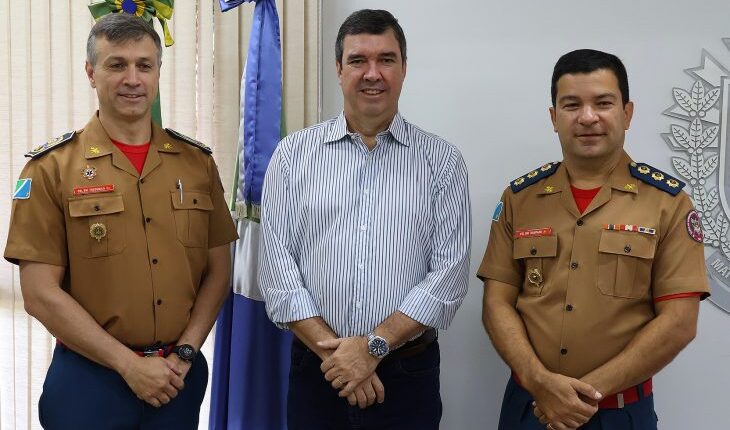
(408, 349)
(145, 351)
(619, 400)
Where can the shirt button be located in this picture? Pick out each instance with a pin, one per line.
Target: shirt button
(574, 265)
(148, 219)
(579, 222)
(569, 308)
(627, 249)
(141, 180)
(360, 266)
(533, 251)
(154, 261)
(195, 201)
(97, 208)
(563, 351)
(159, 301)
(358, 304)
(363, 227)
(365, 191)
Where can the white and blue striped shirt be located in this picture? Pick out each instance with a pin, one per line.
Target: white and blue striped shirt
(353, 235)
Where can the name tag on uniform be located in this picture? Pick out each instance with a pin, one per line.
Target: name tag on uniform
(534, 232)
(81, 191)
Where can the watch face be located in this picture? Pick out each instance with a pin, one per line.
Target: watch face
(378, 347)
(186, 352)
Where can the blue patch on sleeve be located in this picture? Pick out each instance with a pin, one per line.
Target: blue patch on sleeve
(22, 189)
(497, 211)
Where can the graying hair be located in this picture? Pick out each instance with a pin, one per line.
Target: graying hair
(118, 28)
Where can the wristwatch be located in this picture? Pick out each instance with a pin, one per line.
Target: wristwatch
(185, 352)
(377, 346)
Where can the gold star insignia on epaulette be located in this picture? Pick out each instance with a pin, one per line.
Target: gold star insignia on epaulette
(519, 181)
(94, 150)
(629, 187)
(673, 183)
(549, 189)
(532, 174)
(167, 146)
(657, 176)
(546, 167)
(644, 170)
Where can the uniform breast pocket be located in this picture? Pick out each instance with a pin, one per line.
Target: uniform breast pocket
(97, 226)
(624, 263)
(538, 255)
(191, 217)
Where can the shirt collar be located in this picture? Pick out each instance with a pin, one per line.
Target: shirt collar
(619, 179)
(397, 128)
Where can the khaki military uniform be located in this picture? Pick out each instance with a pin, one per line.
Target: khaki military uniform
(135, 247)
(587, 285)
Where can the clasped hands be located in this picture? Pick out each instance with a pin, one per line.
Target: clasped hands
(156, 380)
(564, 403)
(351, 370)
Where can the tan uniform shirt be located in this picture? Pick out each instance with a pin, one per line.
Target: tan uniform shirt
(592, 288)
(138, 272)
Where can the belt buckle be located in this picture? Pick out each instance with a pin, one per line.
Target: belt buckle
(620, 400)
(151, 351)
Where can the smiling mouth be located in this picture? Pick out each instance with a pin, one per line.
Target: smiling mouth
(372, 91)
(132, 96)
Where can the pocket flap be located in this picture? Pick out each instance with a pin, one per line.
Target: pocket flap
(529, 247)
(91, 206)
(627, 243)
(192, 200)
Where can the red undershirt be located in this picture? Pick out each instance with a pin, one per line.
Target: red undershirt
(137, 154)
(583, 198)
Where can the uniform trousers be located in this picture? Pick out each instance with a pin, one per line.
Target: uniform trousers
(517, 413)
(412, 397)
(80, 394)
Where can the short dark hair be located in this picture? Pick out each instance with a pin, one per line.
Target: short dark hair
(118, 28)
(587, 61)
(369, 21)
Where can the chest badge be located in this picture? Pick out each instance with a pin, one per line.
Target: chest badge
(89, 172)
(535, 277)
(97, 231)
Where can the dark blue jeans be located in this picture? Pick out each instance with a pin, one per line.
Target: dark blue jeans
(80, 394)
(517, 413)
(412, 398)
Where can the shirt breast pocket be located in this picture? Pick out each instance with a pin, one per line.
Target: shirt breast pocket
(191, 217)
(624, 263)
(538, 255)
(97, 226)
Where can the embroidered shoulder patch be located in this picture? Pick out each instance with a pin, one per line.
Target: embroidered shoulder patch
(22, 189)
(534, 176)
(656, 177)
(497, 211)
(694, 226)
(189, 140)
(50, 145)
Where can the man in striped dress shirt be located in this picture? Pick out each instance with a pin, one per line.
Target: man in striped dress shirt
(366, 230)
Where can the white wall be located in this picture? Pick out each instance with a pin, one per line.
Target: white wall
(479, 75)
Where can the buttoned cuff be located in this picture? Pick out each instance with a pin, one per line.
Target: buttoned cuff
(285, 306)
(429, 310)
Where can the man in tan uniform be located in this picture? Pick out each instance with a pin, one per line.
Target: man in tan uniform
(594, 268)
(122, 236)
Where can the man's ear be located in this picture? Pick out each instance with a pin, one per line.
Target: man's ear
(90, 74)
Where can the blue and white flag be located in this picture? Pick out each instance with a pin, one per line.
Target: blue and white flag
(251, 358)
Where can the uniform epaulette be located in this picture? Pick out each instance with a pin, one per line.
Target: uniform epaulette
(530, 178)
(51, 145)
(656, 177)
(190, 140)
